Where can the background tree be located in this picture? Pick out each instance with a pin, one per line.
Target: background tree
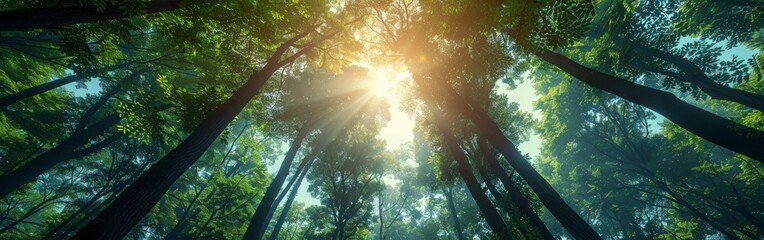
(344, 179)
(636, 180)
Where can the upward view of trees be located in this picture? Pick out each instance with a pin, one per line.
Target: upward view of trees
(246, 119)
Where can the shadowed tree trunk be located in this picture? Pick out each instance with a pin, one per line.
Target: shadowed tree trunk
(289, 185)
(66, 150)
(379, 209)
(339, 233)
(259, 221)
(489, 184)
(488, 129)
(32, 91)
(288, 203)
(513, 191)
(503, 202)
(453, 213)
(715, 129)
(56, 17)
(695, 76)
(42, 88)
(138, 199)
(489, 212)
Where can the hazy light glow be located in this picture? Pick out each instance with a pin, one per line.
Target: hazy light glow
(400, 128)
(382, 87)
(385, 79)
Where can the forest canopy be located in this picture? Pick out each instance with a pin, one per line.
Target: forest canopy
(381, 119)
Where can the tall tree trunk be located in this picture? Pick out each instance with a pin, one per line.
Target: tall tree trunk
(491, 187)
(138, 199)
(56, 17)
(340, 231)
(42, 88)
(325, 134)
(289, 185)
(715, 129)
(258, 224)
(695, 76)
(453, 213)
(288, 203)
(64, 151)
(33, 91)
(513, 191)
(488, 129)
(500, 198)
(381, 213)
(489, 212)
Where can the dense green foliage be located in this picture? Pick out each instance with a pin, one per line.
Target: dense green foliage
(231, 119)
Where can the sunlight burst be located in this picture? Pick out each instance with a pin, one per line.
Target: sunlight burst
(382, 87)
(385, 79)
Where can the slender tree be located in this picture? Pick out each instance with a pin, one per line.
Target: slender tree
(288, 204)
(319, 115)
(452, 212)
(259, 221)
(515, 195)
(71, 148)
(117, 219)
(691, 73)
(715, 129)
(489, 212)
(501, 200)
(8, 100)
(303, 163)
(488, 129)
